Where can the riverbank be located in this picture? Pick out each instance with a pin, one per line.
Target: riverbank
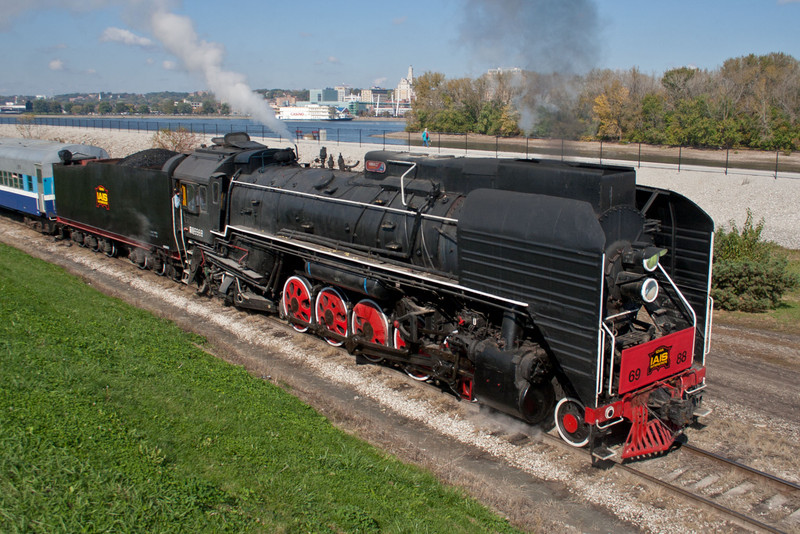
(726, 197)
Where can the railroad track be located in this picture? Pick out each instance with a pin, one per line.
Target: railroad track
(746, 496)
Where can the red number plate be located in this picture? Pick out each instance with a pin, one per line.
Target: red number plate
(657, 359)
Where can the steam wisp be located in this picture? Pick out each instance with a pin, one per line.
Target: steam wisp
(176, 33)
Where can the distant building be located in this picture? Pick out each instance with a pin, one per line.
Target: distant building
(405, 89)
(371, 95)
(318, 96)
(342, 92)
(500, 70)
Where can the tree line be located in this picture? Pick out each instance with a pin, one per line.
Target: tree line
(104, 107)
(750, 101)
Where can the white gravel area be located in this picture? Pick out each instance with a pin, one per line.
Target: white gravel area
(726, 197)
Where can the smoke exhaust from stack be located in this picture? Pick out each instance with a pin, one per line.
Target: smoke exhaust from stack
(540, 36)
(178, 36)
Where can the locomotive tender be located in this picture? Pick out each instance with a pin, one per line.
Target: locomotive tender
(547, 290)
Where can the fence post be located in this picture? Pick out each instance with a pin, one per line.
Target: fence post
(495, 147)
(439, 134)
(526, 146)
(640, 155)
(384, 139)
(776, 163)
(680, 155)
(562, 149)
(359, 137)
(466, 144)
(727, 152)
(601, 152)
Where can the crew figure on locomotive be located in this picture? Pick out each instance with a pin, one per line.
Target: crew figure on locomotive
(551, 291)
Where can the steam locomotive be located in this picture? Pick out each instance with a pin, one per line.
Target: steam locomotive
(560, 293)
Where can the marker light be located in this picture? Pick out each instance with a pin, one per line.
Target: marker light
(650, 257)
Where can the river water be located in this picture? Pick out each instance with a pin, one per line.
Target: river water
(355, 131)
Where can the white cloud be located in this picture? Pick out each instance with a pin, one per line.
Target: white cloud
(120, 35)
(399, 20)
(169, 65)
(333, 59)
(56, 64)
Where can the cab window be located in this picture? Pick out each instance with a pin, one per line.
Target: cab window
(194, 198)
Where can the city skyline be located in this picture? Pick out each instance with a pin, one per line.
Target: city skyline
(115, 46)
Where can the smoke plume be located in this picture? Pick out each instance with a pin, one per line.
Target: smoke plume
(549, 41)
(537, 35)
(177, 34)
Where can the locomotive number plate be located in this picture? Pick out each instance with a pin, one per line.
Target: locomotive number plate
(657, 359)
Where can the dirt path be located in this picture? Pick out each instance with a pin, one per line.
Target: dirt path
(537, 486)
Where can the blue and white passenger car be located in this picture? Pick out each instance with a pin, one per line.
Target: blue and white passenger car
(26, 173)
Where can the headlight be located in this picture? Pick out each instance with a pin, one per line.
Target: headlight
(649, 291)
(637, 287)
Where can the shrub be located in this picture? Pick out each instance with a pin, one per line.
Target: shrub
(749, 274)
(27, 127)
(180, 140)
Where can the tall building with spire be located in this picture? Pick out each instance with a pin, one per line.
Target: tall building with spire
(405, 89)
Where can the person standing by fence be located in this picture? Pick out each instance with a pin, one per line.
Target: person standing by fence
(426, 138)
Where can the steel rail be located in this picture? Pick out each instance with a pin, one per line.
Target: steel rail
(699, 498)
(743, 467)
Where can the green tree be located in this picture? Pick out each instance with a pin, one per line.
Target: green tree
(429, 102)
(143, 109)
(104, 107)
(209, 107)
(167, 106)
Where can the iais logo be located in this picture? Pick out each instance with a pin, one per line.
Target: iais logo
(659, 359)
(101, 194)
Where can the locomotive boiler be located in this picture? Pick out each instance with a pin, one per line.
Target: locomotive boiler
(555, 292)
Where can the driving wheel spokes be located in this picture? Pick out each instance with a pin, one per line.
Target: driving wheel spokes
(331, 312)
(296, 301)
(369, 321)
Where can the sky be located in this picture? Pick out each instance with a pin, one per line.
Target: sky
(68, 46)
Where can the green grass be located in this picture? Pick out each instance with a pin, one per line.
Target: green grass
(114, 420)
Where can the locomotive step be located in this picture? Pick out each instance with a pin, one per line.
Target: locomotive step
(701, 411)
(602, 453)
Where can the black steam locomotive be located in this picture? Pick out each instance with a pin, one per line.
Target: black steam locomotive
(539, 288)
